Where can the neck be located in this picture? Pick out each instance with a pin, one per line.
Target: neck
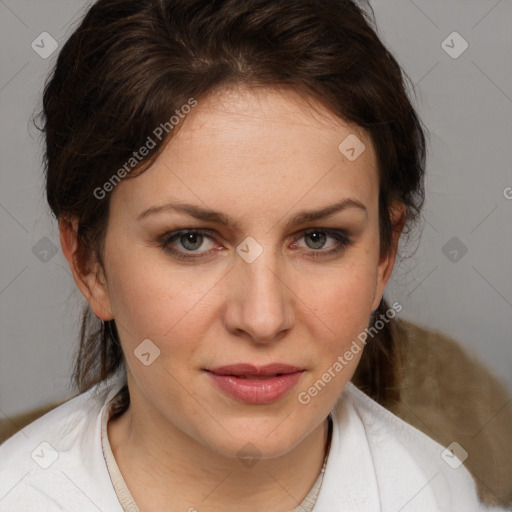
(165, 469)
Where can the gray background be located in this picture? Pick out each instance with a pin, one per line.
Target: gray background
(465, 102)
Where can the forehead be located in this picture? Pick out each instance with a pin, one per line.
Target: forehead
(260, 147)
(262, 120)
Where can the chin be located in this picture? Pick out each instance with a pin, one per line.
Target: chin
(253, 441)
(248, 451)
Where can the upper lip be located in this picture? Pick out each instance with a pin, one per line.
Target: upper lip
(251, 370)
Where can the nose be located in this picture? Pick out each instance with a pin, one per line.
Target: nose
(260, 303)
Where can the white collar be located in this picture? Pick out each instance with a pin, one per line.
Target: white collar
(380, 463)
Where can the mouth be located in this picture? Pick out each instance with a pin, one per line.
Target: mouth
(255, 385)
(255, 377)
(249, 371)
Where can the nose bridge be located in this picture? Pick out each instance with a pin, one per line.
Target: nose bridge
(262, 305)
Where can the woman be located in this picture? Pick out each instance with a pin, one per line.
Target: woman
(231, 180)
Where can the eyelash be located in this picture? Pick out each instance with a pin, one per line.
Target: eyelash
(343, 241)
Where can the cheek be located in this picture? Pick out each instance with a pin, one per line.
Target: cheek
(341, 302)
(151, 299)
(342, 298)
(150, 303)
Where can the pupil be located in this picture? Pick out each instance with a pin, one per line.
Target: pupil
(191, 238)
(317, 237)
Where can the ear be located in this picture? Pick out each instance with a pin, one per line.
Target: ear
(89, 277)
(398, 215)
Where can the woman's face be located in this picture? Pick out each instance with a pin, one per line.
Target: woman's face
(272, 286)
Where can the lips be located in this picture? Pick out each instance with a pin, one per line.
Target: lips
(249, 371)
(255, 385)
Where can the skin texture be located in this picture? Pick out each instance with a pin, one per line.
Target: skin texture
(259, 156)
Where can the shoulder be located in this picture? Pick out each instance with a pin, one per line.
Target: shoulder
(411, 469)
(50, 462)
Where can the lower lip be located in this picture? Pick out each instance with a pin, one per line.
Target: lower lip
(256, 391)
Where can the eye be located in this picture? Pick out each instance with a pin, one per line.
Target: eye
(186, 244)
(317, 238)
(189, 239)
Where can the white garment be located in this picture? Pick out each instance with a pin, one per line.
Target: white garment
(377, 463)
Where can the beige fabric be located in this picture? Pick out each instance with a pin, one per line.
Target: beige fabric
(125, 497)
(448, 394)
(123, 493)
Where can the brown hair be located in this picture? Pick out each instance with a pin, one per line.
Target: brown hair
(131, 64)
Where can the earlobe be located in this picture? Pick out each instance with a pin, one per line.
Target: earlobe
(87, 277)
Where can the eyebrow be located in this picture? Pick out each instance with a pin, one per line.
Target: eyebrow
(209, 215)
